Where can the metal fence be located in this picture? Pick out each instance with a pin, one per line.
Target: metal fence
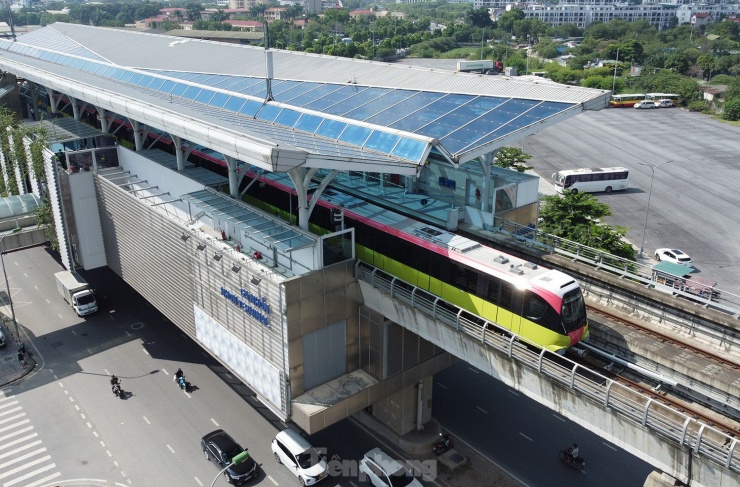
(676, 426)
(692, 289)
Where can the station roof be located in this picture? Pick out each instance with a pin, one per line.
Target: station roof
(324, 112)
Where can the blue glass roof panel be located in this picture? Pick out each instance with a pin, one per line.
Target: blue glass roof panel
(331, 129)
(282, 86)
(372, 107)
(204, 96)
(308, 123)
(167, 86)
(250, 108)
(219, 100)
(410, 149)
(382, 141)
(355, 134)
(178, 89)
(288, 117)
(322, 104)
(156, 84)
(191, 92)
(269, 112)
(235, 103)
(309, 96)
(409, 107)
(242, 84)
(293, 91)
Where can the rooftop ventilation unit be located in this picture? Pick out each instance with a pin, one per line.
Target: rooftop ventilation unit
(516, 270)
(501, 259)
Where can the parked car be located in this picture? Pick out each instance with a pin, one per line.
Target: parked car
(673, 255)
(2, 338)
(665, 103)
(296, 453)
(646, 104)
(220, 448)
(377, 468)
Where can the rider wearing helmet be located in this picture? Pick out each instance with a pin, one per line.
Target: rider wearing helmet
(573, 451)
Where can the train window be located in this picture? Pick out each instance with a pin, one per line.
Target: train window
(439, 267)
(464, 278)
(420, 259)
(493, 288)
(535, 307)
(507, 296)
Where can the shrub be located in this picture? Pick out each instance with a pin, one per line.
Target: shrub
(697, 106)
(732, 110)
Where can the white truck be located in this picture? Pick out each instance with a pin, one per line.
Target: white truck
(482, 65)
(76, 292)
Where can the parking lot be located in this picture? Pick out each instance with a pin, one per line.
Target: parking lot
(695, 197)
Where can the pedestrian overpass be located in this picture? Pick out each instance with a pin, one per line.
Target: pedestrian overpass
(674, 442)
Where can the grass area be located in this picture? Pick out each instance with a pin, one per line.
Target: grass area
(469, 53)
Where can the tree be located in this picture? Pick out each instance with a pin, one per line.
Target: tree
(193, 11)
(506, 21)
(479, 17)
(731, 110)
(512, 158)
(577, 217)
(219, 16)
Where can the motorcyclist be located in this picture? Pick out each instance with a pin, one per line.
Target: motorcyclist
(181, 382)
(114, 380)
(116, 388)
(179, 374)
(573, 452)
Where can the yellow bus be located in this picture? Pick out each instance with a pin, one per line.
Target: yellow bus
(627, 100)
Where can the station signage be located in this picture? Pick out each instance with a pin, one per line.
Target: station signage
(255, 306)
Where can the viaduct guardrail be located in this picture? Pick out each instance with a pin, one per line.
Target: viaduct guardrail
(685, 432)
(694, 289)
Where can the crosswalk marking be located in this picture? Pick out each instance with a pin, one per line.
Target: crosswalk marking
(24, 461)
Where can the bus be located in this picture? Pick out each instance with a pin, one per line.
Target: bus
(627, 100)
(605, 179)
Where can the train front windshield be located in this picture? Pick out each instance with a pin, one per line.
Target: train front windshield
(573, 312)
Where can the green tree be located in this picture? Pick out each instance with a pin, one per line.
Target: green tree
(506, 21)
(512, 158)
(193, 11)
(731, 110)
(479, 17)
(577, 217)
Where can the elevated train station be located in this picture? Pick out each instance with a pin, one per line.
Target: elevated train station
(267, 292)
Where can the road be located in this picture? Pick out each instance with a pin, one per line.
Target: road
(63, 423)
(695, 197)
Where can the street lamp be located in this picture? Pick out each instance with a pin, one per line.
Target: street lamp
(234, 461)
(614, 81)
(650, 193)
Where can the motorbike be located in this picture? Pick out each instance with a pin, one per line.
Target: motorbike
(578, 463)
(118, 391)
(182, 383)
(443, 445)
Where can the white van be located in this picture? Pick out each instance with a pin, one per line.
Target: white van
(296, 453)
(380, 470)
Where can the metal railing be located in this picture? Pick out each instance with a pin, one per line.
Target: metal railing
(638, 408)
(692, 289)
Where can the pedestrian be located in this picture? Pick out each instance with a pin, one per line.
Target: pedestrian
(22, 348)
(21, 359)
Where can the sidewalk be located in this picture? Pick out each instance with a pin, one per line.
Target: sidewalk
(10, 370)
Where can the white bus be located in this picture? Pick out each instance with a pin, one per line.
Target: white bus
(606, 179)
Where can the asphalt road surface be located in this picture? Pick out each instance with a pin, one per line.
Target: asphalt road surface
(695, 197)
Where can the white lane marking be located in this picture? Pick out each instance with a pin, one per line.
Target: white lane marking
(198, 480)
(481, 409)
(25, 456)
(441, 385)
(6, 428)
(78, 408)
(12, 418)
(7, 405)
(44, 480)
(30, 474)
(16, 433)
(35, 287)
(608, 445)
(166, 374)
(513, 393)
(24, 447)
(557, 416)
(102, 443)
(170, 448)
(25, 275)
(95, 434)
(8, 473)
(527, 437)
(127, 333)
(147, 421)
(272, 480)
(89, 351)
(214, 421)
(110, 455)
(472, 370)
(88, 424)
(144, 350)
(10, 411)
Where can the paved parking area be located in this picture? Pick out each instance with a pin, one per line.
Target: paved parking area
(695, 198)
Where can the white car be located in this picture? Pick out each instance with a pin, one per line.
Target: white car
(646, 104)
(673, 255)
(381, 470)
(296, 453)
(664, 103)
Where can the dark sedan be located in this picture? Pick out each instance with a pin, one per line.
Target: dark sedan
(220, 448)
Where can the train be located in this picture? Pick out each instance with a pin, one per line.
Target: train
(545, 307)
